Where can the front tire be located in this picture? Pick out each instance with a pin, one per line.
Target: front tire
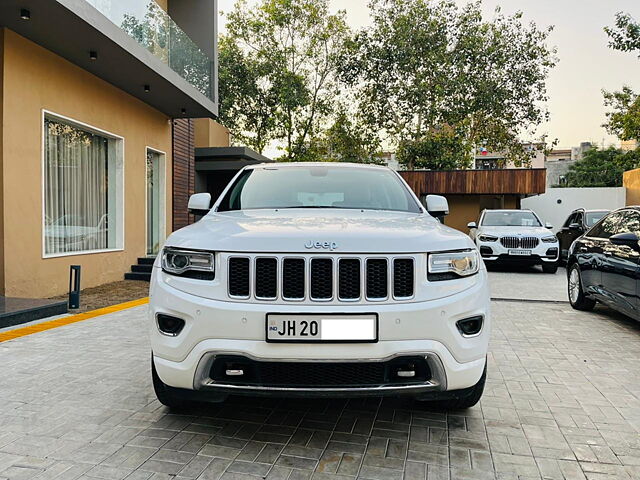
(167, 395)
(577, 298)
(550, 267)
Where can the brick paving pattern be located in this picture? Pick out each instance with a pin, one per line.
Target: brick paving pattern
(562, 402)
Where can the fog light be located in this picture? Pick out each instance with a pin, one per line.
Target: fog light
(552, 252)
(470, 326)
(170, 325)
(486, 251)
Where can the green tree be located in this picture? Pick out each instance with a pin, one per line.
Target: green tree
(426, 67)
(602, 168)
(623, 120)
(248, 104)
(288, 50)
(346, 140)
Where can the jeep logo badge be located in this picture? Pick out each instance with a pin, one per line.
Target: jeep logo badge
(325, 245)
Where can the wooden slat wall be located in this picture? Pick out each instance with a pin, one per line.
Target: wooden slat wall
(183, 170)
(527, 181)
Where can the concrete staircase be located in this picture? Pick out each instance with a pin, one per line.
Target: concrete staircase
(141, 270)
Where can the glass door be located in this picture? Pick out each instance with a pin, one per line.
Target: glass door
(154, 192)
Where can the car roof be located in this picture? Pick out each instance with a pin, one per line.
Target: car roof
(315, 164)
(507, 210)
(592, 210)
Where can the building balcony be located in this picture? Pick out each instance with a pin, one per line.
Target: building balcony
(133, 44)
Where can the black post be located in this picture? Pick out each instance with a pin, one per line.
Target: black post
(74, 286)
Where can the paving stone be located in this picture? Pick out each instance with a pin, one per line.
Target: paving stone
(562, 401)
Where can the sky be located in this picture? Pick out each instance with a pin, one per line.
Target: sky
(586, 64)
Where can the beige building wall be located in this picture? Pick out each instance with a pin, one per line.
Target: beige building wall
(209, 133)
(631, 182)
(35, 80)
(467, 208)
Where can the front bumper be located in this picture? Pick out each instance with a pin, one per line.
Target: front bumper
(215, 328)
(495, 252)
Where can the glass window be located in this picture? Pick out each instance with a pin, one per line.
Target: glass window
(319, 187)
(594, 217)
(607, 227)
(80, 187)
(578, 218)
(571, 219)
(510, 218)
(629, 222)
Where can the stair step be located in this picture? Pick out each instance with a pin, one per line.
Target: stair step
(142, 268)
(138, 276)
(146, 260)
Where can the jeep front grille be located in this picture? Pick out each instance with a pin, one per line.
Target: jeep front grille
(320, 279)
(519, 242)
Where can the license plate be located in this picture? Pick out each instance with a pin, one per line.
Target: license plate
(322, 328)
(520, 252)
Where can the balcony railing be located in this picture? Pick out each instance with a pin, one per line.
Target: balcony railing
(153, 28)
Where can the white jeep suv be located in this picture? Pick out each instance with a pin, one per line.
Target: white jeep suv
(515, 237)
(319, 279)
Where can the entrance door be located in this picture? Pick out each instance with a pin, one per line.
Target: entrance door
(155, 203)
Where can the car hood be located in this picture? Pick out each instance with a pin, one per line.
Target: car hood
(524, 231)
(339, 231)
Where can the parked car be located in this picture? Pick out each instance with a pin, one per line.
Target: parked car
(603, 264)
(515, 237)
(319, 279)
(578, 222)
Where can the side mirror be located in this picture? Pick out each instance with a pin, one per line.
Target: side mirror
(437, 205)
(548, 225)
(575, 227)
(199, 203)
(472, 225)
(625, 239)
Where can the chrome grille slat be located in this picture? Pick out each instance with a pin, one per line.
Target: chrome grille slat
(519, 242)
(319, 278)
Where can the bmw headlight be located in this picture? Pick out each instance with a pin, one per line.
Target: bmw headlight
(550, 239)
(450, 265)
(487, 238)
(188, 263)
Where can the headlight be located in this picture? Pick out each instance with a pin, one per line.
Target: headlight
(487, 238)
(450, 265)
(550, 239)
(188, 263)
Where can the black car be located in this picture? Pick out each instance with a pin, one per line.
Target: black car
(578, 222)
(604, 264)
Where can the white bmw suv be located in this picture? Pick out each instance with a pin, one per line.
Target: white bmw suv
(319, 279)
(515, 237)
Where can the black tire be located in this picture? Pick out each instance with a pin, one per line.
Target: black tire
(578, 299)
(167, 395)
(550, 267)
(467, 401)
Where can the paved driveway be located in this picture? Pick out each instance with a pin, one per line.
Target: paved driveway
(562, 401)
(528, 283)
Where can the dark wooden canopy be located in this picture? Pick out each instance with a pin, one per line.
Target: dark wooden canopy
(512, 181)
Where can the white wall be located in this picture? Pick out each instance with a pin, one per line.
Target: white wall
(556, 204)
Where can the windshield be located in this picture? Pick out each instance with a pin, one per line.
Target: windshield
(318, 187)
(510, 219)
(591, 218)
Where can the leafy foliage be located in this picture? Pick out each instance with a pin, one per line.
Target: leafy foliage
(602, 168)
(348, 141)
(428, 71)
(441, 149)
(625, 36)
(623, 120)
(287, 54)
